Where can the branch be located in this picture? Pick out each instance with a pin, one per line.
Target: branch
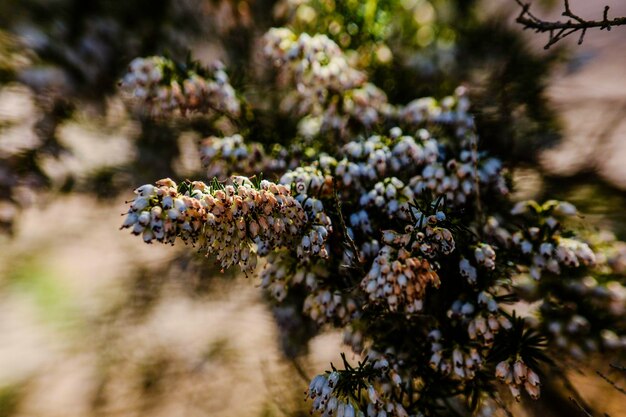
(580, 407)
(618, 367)
(558, 30)
(611, 382)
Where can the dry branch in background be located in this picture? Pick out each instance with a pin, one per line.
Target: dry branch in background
(559, 30)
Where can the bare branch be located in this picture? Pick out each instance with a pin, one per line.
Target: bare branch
(580, 407)
(618, 367)
(611, 382)
(558, 30)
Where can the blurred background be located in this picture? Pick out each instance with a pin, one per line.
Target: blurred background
(93, 322)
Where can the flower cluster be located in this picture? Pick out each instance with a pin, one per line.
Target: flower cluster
(573, 324)
(417, 166)
(318, 62)
(329, 90)
(321, 392)
(482, 317)
(328, 397)
(163, 88)
(278, 274)
(452, 110)
(487, 326)
(485, 256)
(403, 237)
(517, 375)
(230, 155)
(463, 365)
(309, 180)
(314, 242)
(399, 278)
(468, 271)
(232, 221)
(324, 305)
(551, 256)
(543, 243)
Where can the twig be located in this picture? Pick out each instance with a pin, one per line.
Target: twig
(611, 382)
(474, 149)
(501, 404)
(618, 367)
(558, 30)
(300, 370)
(580, 407)
(344, 228)
(570, 387)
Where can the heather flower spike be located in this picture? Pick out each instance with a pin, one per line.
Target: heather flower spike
(232, 221)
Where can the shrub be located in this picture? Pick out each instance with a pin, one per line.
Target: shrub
(388, 221)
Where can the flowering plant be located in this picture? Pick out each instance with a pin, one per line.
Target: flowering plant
(391, 223)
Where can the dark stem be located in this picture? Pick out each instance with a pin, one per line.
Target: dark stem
(558, 30)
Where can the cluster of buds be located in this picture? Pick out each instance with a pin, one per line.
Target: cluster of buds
(371, 150)
(308, 180)
(278, 273)
(376, 157)
(571, 334)
(458, 179)
(360, 220)
(407, 152)
(426, 237)
(608, 296)
(517, 375)
(496, 233)
(283, 269)
(400, 279)
(161, 87)
(231, 156)
(162, 213)
(322, 392)
(483, 317)
(354, 339)
(468, 271)
(313, 241)
(434, 240)
(551, 255)
(450, 110)
(458, 362)
(318, 63)
(487, 326)
(485, 256)
(231, 221)
(352, 174)
(414, 161)
(391, 197)
(380, 389)
(294, 266)
(576, 334)
(367, 104)
(323, 305)
(329, 90)
(378, 406)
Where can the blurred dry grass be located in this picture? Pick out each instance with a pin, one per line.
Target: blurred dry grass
(88, 330)
(95, 322)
